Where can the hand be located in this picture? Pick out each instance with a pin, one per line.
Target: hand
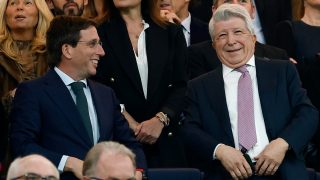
(233, 161)
(12, 93)
(170, 16)
(74, 165)
(149, 131)
(138, 175)
(269, 160)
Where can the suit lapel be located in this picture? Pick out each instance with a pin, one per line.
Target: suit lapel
(267, 84)
(218, 101)
(100, 110)
(61, 96)
(119, 41)
(157, 59)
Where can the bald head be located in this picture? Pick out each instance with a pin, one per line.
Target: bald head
(36, 164)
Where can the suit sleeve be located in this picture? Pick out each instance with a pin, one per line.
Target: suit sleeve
(174, 102)
(304, 119)
(26, 125)
(197, 141)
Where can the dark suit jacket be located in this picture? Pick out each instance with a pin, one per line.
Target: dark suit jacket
(203, 57)
(198, 31)
(166, 53)
(45, 120)
(286, 109)
(271, 12)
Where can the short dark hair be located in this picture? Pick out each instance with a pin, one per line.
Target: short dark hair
(64, 30)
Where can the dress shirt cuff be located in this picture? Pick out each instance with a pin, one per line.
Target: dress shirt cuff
(62, 163)
(214, 152)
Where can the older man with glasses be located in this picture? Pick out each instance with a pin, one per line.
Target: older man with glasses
(33, 167)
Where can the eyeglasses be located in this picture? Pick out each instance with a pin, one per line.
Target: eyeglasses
(34, 176)
(95, 178)
(92, 44)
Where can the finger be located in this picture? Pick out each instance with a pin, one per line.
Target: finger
(274, 170)
(243, 171)
(258, 165)
(263, 168)
(247, 169)
(270, 168)
(233, 175)
(238, 173)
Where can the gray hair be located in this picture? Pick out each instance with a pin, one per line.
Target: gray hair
(18, 166)
(109, 148)
(227, 11)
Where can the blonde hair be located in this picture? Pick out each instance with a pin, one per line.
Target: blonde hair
(38, 44)
(297, 9)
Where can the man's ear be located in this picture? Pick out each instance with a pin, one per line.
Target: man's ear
(50, 4)
(66, 51)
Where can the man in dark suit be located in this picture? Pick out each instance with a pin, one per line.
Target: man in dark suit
(194, 29)
(49, 116)
(203, 58)
(282, 117)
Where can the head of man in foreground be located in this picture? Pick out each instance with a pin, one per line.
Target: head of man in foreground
(109, 160)
(32, 167)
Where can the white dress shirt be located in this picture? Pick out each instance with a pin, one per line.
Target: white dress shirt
(67, 80)
(231, 78)
(258, 28)
(142, 59)
(186, 29)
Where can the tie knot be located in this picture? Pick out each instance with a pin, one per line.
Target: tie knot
(243, 69)
(77, 86)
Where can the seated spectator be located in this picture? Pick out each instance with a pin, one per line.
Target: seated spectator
(109, 160)
(249, 117)
(194, 29)
(63, 114)
(203, 58)
(301, 37)
(22, 51)
(33, 167)
(69, 8)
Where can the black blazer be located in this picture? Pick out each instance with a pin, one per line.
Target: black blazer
(271, 12)
(203, 57)
(198, 31)
(166, 52)
(287, 112)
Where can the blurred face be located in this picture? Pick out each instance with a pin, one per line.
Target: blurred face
(127, 4)
(233, 42)
(165, 5)
(87, 53)
(178, 5)
(21, 15)
(36, 167)
(68, 7)
(245, 3)
(116, 166)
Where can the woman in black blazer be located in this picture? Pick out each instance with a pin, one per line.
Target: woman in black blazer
(145, 64)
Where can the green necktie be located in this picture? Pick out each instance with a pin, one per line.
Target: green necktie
(82, 105)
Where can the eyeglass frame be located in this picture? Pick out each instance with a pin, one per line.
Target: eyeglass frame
(25, 176)
(95, 178)
(92, 43)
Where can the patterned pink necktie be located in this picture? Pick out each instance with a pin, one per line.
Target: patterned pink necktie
(246, 125)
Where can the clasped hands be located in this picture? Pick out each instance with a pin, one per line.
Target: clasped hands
(267, 162)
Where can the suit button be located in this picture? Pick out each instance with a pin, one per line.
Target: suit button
(170, 134)
(170, 85)
(112, 79)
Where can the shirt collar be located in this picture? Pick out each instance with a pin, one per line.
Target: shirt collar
(67, 80)
(226, 70)
(186, 23)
